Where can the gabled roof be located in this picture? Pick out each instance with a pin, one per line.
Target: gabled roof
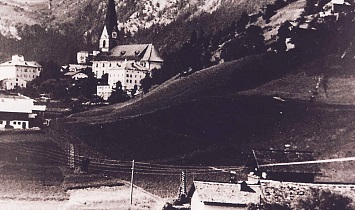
(21, 63)
(264, 158)
(143, 52)
(227, 193)
(16, 104)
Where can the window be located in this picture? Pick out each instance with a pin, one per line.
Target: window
(127, 75)
(104, 44)
(0, 122)
(110, 64)
(103, 65)
(97, 65)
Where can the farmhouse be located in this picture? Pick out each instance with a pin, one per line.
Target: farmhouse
(19, 112)
(265, 164)
(19, 69)
(125, 63)
(340, 6)
(217, 195)
(12, 83)
(76, 75)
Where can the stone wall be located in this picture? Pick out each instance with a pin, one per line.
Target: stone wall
(292, 192)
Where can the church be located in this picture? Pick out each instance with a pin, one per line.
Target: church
(125, 63)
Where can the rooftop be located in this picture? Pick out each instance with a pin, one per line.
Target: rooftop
(144, 52)
(265, 158)
(227, 193)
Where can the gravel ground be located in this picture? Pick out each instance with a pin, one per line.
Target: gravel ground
(90, 198)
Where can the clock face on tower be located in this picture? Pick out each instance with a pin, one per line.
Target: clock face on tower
(114, 35)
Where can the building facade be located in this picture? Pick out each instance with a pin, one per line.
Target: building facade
(125, 63)
(223, 196)
(19, 112)
(19, 69)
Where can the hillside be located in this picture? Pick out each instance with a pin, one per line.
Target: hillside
(208, 118)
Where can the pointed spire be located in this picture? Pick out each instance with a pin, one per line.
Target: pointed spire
(111, 17)
(110, 34)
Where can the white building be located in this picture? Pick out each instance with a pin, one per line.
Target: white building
(223, 196)
(12, 83)
(104, 91)
(19, 69)
(18, 111)
(125, 63)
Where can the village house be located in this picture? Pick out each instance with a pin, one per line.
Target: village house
(340, 6)
(12, 83)
(17, 72)
(218, 195)
(125, 63)
(270, 164)
(76, 75)
(19, 112)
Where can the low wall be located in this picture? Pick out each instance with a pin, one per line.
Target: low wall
(292, 192)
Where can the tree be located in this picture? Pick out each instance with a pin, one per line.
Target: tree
(134, 91)
(254, 37)
(324, 199)
(118, 95)
(242, 22)
(146, 83)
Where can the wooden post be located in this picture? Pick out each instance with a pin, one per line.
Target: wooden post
(131, 197)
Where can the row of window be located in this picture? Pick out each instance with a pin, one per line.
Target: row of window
(142, 63)
(17, 85)
(27, 70)
(13, 122)
(29, 76)
(110, 65)
(135, 76)
(130, 81)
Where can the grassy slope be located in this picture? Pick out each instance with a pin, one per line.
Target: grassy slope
(205, 119)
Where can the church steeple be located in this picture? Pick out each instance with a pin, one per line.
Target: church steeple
(109, 36)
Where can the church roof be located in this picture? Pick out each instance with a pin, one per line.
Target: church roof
(142, 52)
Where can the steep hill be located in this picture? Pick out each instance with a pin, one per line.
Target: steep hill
(207, 118)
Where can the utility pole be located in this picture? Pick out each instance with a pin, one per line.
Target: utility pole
(131, 197)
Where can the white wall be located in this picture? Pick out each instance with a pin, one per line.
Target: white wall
(17, 124)
(104, 91)
(196, 203)
(7, 72)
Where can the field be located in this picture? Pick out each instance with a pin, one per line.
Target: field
(34, 175)
(214, 117)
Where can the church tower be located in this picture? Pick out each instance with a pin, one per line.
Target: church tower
(109, 36)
